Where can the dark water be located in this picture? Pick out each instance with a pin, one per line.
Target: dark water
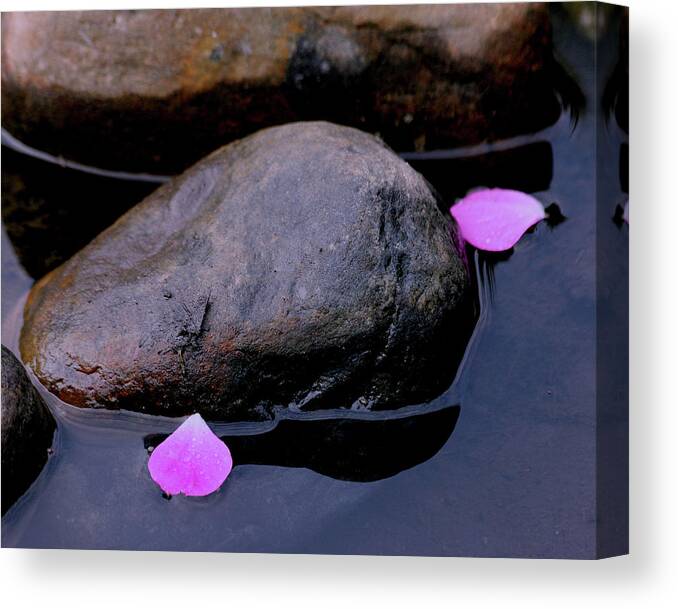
(522, 456)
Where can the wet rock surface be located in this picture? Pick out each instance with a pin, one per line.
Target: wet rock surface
(305, 267)
(157, 90)
(27, 430)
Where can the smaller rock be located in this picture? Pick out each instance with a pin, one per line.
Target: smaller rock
(27, 430)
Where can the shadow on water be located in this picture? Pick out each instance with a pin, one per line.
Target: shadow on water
(453, 173)
(356, 450)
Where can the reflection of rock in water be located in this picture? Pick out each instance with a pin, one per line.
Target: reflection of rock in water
(50, 212)
(358, 450)
(27, 430)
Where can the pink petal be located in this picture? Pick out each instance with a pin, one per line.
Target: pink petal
(192, 460)
(625, 214)
(495, 219)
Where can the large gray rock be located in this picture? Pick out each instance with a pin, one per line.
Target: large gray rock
(305, 266)
(27, 430)
(157, 90)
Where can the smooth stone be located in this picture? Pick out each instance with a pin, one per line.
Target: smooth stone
(155, 91)
(27, 430)
(305, 266)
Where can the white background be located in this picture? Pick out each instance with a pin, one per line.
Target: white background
(647, 578)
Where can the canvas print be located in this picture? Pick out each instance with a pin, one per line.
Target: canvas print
(324, 280)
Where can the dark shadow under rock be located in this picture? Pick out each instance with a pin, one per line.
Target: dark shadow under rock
(354, 449)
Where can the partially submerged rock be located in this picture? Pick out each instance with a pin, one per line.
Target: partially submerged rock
(157, 90)
(305, 266)
(27, 430)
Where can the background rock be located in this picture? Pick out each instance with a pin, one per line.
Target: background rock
(157, 90)
(305, 266)
(27, 430)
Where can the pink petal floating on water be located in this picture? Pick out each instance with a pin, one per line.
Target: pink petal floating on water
(192, 460)
(495, 219)
(625, 214)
